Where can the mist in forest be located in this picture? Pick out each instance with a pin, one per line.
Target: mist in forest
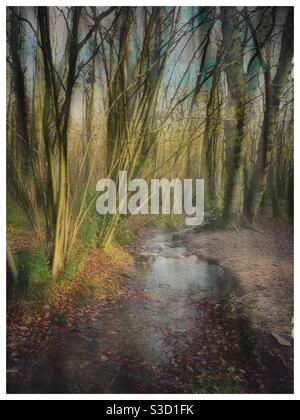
(176, 93)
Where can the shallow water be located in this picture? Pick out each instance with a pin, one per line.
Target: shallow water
(131, 348)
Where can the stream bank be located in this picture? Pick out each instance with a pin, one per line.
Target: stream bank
(171, 333)
(261, 263)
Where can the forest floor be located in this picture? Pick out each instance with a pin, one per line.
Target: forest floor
(119, 327)
(261, 261)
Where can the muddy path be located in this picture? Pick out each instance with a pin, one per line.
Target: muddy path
(172, 334)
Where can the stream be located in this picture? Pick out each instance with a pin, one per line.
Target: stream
(168, 337)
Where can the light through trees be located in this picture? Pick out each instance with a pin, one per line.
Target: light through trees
(159, 92)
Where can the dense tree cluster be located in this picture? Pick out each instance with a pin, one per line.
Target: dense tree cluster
(178, 92)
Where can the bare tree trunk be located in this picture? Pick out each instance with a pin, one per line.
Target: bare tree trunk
(236, 82)
(12, 274)
(273, 94)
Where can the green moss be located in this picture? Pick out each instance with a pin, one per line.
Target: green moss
(74, 263)
(15, 218)
(33, 278)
